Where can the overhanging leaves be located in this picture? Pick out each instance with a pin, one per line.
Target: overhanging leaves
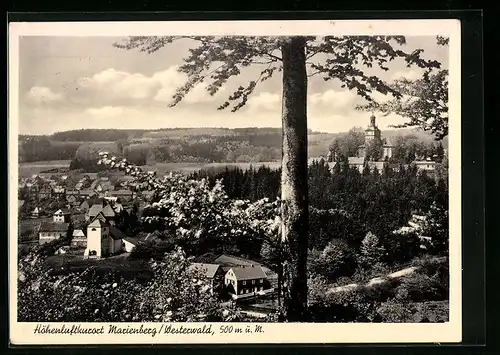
(214, 60)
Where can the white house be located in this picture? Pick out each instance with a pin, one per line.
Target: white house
(61, 216)
(244, 282)
(428, 165)
(79, 239)
(104, 239)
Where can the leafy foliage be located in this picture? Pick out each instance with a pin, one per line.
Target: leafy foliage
(216, 59)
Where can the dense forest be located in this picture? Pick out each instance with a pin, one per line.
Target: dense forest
(361, 225)
(198, 145)
(372, 201)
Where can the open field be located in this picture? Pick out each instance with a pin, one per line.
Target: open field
(28, 169)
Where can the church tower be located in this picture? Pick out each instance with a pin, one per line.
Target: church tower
(372, 132)
(97, 238)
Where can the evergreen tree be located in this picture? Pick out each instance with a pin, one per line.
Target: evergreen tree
(216, 59)
(371, 249)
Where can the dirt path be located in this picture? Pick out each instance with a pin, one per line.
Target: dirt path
(378, 280)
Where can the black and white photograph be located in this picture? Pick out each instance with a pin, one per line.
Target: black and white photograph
(211, 177)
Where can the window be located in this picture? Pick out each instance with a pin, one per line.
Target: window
(261, 280)
(244, 282)
(253, 282)
(93, 229)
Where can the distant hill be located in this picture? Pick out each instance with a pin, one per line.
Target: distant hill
(203, 145)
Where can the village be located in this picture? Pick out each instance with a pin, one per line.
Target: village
(87, 212)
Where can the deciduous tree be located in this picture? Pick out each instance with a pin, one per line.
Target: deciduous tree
(424, 101)
(214, 60)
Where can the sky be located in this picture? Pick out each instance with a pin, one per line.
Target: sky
(70, 83)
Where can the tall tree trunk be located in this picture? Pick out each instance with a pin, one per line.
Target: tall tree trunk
(294, 178)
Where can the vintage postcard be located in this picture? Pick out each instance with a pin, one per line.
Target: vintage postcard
(235, 182)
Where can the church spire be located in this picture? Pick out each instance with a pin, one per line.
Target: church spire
(372, 120)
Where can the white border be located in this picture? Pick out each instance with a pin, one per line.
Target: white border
(22, 333)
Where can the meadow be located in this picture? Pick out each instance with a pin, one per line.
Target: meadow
(29, 169)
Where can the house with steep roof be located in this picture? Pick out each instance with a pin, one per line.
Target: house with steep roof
(212, 272)
(35, 213)
(102, 207)
(79, 239)
(50, 231)
(246, 281)
(62, 215)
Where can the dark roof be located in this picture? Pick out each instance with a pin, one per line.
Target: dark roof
(99, 221)
(53, 227)
(116, 234)
(208, 270)
(63, 211)
(131, 240)
(230, 260)
(106, 210)
(249, 273)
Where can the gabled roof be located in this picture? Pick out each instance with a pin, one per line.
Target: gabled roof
(116, 234)
(131, 240)
(53, 227)
(332, 164)
(99, 221)
(78, 233)
(95, 210)
(62, 211)
(230, 260)
(208, 270)
(108, 211)
(36, 210)
(249, 273)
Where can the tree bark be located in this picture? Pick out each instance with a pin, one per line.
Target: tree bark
(294, 190)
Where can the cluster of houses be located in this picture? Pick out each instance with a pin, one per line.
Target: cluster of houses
(240, 278)
(76, 195)
(101, 237)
